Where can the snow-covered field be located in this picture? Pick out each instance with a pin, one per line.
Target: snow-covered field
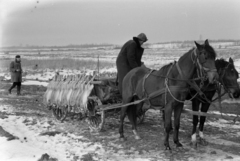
(152, 58)
(30, 142)
(31, 139)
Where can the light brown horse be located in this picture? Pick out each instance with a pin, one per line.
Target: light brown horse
(172, 84)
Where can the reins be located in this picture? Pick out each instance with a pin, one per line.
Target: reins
(221, 84)
(218, 88)
(191, 82)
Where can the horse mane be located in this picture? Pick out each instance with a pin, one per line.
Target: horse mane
(164, 69)
(211, 52)
(221, 63)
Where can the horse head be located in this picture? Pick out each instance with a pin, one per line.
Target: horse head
(205, 59)
(228, 76)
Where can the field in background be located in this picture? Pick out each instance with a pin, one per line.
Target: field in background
(88, 58)
(56, 63)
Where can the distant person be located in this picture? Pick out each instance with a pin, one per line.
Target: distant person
(16, 74)
(130, 57)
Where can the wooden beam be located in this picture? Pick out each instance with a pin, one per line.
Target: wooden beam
(186, 111)
(223, 116)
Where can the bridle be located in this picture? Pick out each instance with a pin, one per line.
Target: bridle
(199, 61)
(222, 72)
(220, 84)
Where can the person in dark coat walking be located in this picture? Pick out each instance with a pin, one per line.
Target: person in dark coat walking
(16, 74)
(129, 57)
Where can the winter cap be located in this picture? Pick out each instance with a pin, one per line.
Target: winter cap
(17, 56)
(142, 37)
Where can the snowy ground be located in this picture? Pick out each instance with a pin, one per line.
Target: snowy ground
(30, 141)
(34, 133)
(30, 144)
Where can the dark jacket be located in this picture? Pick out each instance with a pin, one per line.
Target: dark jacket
(129, 57)
(16, 71)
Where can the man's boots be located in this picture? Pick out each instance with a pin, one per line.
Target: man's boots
(9, 91)
(18, 90)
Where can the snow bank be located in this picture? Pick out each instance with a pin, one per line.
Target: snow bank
(35, 83)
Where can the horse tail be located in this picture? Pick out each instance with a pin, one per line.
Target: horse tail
(132, 110)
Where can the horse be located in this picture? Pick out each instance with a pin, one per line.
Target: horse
(228, 76)
(170, 86)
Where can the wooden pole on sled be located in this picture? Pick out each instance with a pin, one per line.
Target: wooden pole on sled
(219, 116)
(186, 111)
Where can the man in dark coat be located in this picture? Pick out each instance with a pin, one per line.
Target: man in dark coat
(130, 57)
(16, 74)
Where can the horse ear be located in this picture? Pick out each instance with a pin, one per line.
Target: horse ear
(206, 42)
(198, 45)
(230, 60)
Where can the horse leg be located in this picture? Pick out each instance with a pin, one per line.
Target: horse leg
(177, 115)
(132, 116)
(195, 107)
(205, 107)
(167, 124)
(122, 116)
(163, 119)
(140, 113)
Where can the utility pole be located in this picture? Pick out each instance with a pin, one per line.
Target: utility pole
(98, 68)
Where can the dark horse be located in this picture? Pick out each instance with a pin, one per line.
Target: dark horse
(172, 82)
(228, 76)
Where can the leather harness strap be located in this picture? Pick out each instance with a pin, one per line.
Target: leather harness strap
(191, 83)
(172, 88)
(143, 83)
(179, 70)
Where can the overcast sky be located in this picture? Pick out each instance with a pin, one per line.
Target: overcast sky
(64, 22)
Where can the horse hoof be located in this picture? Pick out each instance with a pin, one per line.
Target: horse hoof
(168, 148)
(178, 145)
(193, 145)
(137, 137)
(122, 139)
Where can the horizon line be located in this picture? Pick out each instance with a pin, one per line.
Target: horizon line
(110, 44)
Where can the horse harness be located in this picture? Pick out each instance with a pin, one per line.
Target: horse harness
(220, 84)
(167, 88)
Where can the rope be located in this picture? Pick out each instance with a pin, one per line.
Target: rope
(167, 88)
(220, 105)
(194, 79)
(171, 93)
